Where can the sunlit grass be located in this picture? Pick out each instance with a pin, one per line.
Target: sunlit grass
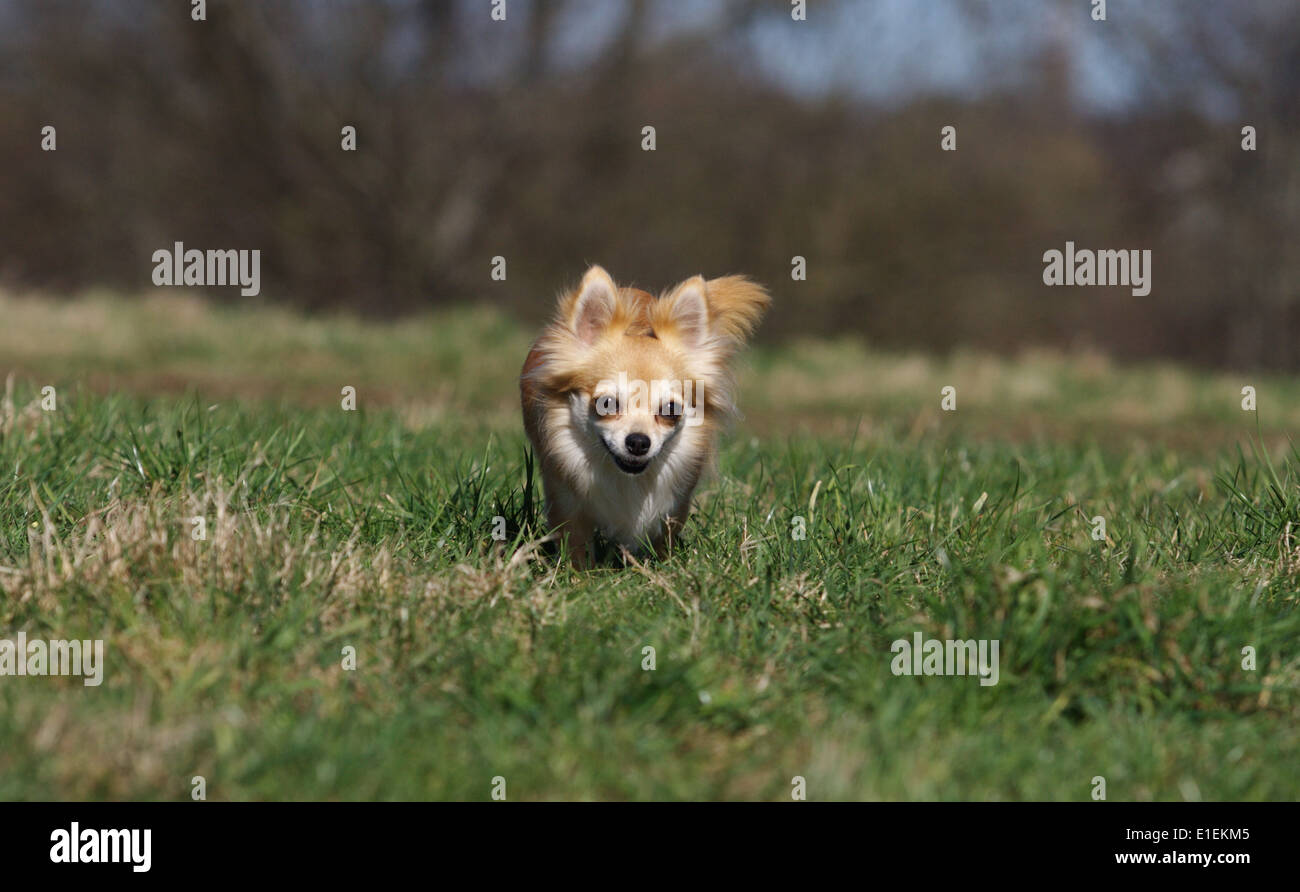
(476, 658)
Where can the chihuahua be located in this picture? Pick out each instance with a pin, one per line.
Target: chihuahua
(623, 399)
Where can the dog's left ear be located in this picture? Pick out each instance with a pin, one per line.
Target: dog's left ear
(736, 305)
(726, 309)
(686, 312)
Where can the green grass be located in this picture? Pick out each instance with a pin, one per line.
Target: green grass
(477, 659)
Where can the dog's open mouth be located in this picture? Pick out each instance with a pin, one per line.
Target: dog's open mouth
(627, 466)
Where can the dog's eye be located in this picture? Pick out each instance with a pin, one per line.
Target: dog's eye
(670, 410)
(606, 405)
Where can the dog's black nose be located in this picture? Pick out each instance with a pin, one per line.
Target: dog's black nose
(637, 444)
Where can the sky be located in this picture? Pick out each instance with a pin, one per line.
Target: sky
(889, 51)
(883, 51)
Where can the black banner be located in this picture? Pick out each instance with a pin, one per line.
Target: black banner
(336, 841)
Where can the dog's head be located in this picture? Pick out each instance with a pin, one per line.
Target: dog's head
(638, 372)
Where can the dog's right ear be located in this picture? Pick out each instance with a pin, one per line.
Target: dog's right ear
(594, 308)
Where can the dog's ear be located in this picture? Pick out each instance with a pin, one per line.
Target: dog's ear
(721, 313)
(685, 312)
(735, 307)
(595, 305)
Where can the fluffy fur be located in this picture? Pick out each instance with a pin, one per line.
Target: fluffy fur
(623, 397)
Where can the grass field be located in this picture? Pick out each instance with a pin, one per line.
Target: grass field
(479, 659)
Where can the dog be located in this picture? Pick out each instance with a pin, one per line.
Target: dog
(623, 399)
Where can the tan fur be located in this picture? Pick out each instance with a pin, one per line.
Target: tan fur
(592, 478)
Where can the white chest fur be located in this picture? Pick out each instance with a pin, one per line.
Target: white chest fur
(627, 508)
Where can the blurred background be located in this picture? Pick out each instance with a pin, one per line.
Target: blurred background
(775, 138)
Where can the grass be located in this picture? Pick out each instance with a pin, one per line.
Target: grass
(479, 659)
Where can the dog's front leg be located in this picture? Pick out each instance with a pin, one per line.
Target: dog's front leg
(580, 533)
